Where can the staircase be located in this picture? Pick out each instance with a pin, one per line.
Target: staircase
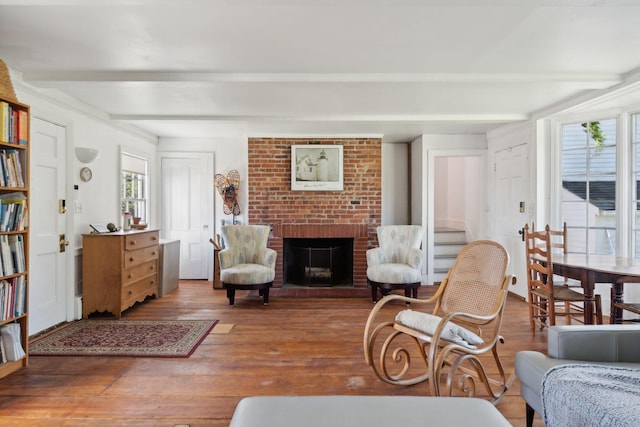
(447, 243)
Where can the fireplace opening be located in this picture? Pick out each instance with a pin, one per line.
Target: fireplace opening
(318, 261)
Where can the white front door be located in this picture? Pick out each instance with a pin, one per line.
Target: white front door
(187, 209)
(48, 291)
(513, 210)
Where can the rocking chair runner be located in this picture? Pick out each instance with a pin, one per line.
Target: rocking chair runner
(473, 296)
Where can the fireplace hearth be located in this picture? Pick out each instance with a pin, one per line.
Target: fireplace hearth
(318, 261)
(358, 234)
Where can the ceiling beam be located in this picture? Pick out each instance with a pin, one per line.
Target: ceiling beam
(473, 118)
(589, 79)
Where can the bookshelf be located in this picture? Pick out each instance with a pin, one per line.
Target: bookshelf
(14, 232)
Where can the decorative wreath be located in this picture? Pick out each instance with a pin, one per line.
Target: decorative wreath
(228, 187)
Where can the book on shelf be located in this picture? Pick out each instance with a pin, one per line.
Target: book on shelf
(23, 127)
(10, 335)
(14, 124)
(13, 297)
(16, 244)
(4, 120)
(8, 267)
(13, 211)
(3, 354)
(10, 162)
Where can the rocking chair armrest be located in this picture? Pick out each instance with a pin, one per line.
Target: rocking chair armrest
(392, 297)
(480, 320)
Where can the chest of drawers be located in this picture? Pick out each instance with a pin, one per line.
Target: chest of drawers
(118, 270)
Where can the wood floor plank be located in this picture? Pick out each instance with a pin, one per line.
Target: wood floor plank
(294, 346)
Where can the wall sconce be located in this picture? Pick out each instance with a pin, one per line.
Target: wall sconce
(86, 155)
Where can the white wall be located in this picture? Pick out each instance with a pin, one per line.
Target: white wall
(458, 194)
(100, 197)
(418, 170)
(395, 183)
(441, 193)
(449, 199)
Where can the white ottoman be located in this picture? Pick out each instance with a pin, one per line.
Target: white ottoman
(365, 411)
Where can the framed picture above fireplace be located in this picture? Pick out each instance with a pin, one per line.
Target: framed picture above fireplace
(317, 168)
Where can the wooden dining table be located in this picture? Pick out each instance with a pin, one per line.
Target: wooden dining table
(592, 269)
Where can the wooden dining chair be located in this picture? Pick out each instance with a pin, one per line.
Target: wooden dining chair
(559, 245)
(546, 298)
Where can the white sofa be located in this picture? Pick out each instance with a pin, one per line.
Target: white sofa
(365, 411)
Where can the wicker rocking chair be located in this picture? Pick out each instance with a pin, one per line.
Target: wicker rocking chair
(455, 338)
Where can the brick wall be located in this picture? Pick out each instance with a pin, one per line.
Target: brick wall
(359, 205)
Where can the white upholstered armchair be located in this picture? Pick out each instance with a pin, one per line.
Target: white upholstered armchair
(246, 262)
(397, 262)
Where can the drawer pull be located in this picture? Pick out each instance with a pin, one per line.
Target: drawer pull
(130, 291)
(130, 275)
(133, 242)
(131, 259)
(153, 282)
(154, 238)
(153, 253)
(151, 267)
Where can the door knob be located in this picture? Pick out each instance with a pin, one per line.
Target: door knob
(63, 243)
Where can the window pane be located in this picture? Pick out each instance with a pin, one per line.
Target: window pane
(603, 161)
(577, 212)
(588, 168)
(576, 240)
(601, 241)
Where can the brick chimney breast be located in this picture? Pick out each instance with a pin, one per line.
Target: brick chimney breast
(354, 212)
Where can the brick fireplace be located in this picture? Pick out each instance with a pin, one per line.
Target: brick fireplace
(352, 213)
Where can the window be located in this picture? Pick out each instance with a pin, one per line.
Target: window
(134, 186)
(588, 199)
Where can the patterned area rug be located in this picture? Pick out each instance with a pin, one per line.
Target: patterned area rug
(125, 338)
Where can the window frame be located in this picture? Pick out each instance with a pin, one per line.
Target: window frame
(143, 213)
(632, 191)
(625, 158)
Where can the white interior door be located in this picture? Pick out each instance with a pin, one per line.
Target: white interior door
(187, 210)
(48, 291)
(512, 188)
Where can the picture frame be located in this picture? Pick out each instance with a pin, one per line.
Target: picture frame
(316, 167)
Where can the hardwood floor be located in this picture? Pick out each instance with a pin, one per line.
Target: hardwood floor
(297, 345)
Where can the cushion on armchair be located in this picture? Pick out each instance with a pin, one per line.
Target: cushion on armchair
(393, 273)
(246, 274)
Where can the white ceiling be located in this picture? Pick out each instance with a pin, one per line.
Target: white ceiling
(397, 68)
